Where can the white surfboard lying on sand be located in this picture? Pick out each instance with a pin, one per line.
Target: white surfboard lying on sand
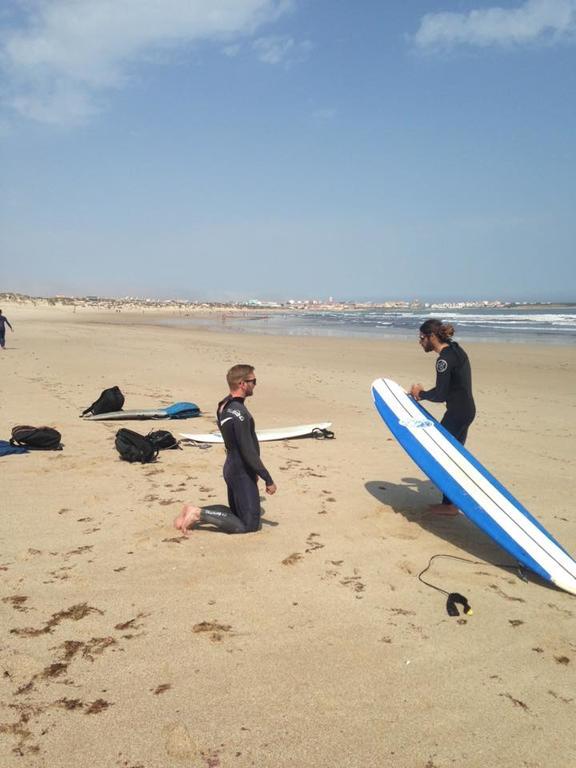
(149, 413)
(471, 487)
(174, 411)
(266, 435)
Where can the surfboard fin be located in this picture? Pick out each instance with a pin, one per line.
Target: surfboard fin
(456, 598)
(521, 573)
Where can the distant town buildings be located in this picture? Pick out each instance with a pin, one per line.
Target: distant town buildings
(292, 304)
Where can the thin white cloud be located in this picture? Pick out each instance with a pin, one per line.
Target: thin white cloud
(534, 21)
(62, 55)
(281, 49)
(324, 115)
(232, 50)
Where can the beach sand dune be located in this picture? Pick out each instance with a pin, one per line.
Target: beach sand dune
(311, 643)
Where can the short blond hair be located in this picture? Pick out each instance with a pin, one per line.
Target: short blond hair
(238, 373)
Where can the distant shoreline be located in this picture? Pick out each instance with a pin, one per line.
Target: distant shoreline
(523, 324)
(181, 307)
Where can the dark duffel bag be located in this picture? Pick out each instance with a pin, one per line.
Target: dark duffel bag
(37, 438)
(109, 401)
(134, 447)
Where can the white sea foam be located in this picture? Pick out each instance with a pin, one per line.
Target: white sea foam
(530, 326)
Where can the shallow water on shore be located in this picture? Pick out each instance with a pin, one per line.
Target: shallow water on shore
(541, 325)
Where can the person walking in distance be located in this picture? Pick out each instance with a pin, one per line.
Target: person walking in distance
(243, 466)
(3, 323)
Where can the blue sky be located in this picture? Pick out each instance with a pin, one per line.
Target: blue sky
(223, 149)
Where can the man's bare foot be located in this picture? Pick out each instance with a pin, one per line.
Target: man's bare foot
(186, 519)
(445, 510)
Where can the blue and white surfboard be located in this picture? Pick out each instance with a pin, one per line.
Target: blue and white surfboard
(471, 487)
(175, 411)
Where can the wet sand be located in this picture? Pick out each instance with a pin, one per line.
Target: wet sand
(311, 643)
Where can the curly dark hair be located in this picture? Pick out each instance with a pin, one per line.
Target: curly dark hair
(443, 331)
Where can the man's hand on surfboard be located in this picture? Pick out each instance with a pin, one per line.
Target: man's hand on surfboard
(415, 391)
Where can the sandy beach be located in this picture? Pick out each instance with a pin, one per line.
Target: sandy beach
(310, 644)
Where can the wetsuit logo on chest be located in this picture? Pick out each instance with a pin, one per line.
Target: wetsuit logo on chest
(236, 413)
(441, 366)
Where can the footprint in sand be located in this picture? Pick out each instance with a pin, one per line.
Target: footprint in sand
(132, 624)
(504, 595)
(213, 629)
(60, 573)
(292, 559)
(17, 602)
(516, 702)
(313, 543)
(563, 699)
(565, 611)
(178, 742)
(354, 583)
(77, 551)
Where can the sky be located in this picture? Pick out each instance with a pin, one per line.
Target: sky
(276, 149)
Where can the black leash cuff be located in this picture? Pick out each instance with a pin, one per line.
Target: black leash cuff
(455, 599)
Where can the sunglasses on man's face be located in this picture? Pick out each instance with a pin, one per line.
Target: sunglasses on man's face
(250, 381)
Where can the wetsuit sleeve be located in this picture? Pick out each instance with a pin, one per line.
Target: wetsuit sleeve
(439, 393)
(248, 450)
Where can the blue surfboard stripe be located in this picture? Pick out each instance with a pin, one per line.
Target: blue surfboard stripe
(442, 478)
(483, 471)
(493, 480)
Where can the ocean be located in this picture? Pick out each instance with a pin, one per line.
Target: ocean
(545, 325)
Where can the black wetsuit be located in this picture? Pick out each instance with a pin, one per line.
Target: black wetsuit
(453, 387)
(242, 468)
(3, 323)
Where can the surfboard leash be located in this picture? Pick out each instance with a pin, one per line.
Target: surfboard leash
(322, 434)
(194, 443)
(454, 599)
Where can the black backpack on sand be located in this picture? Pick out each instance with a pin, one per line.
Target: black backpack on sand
(109, 401)
(134, 447)
(37, 438)
(162, 439)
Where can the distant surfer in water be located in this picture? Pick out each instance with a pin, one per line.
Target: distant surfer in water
(3, 323)
(243, 465)
(453, 387)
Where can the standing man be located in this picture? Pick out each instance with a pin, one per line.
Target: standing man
(243, 465)
(3, 323)
(453, 387)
